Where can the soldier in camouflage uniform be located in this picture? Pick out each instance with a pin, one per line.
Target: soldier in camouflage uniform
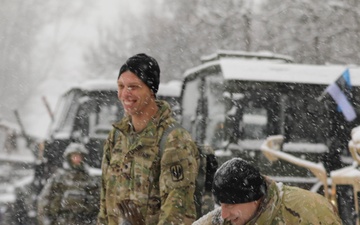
(139, 186)
(247, 197)
(71, 196)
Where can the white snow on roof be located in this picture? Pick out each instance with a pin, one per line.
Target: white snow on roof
(172, 88)
(93, 85)
(305, 147)
(23, 156)
(347, 172)
(255, 119)
(7, 197)
(10, 125)
(244, 54)
(305, 180)
(276, 71)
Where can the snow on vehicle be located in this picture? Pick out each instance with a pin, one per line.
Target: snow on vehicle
(16, 161)
(235, 100)
(341, 187)
(83, 114)
(170, 92)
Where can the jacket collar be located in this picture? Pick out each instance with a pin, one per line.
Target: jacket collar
(270, 204)
(164, 112)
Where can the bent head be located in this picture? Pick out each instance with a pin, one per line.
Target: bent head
(238, 188)
(240, 213)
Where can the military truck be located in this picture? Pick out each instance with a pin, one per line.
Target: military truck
(234, 100)
(83, 114)
(341, 187)
(171, 92)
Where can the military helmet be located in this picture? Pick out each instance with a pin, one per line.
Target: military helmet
(75, 147)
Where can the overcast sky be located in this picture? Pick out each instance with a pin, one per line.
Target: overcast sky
(75, 33)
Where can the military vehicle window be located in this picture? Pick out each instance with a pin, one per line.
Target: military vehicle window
(66, 112)
(305, 118)
(101, 120)
(61, 106)
(104, 111)
(246, 118)
(190, 100)
(3, 136)
(214, 93)
(81, 123)
(253, 123)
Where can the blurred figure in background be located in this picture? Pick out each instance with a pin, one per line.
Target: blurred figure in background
(71, 196)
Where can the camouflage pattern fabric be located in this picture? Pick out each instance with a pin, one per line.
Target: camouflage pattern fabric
(207, 201)
(71, 197)
(285, 205)
(163, 189)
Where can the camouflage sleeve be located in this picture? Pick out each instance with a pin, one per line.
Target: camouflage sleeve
(307, 207)
(179, 168)
(102, 216)
(49, 200)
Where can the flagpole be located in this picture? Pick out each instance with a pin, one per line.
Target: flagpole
(322, 96)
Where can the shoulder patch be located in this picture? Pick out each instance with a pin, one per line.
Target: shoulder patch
(177, 172)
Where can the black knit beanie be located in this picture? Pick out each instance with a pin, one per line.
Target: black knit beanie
(145, 67)
(236, 181)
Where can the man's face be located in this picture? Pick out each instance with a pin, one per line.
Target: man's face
(238, 214)
(76, 158)
(133, 93)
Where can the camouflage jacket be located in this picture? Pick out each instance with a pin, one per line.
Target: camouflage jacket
(132, 170)
(71, 197)
(284, 205)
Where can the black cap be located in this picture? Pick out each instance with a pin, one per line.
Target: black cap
(236, 181)
(145, 67)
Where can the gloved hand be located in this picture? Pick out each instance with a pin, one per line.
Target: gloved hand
(131, 212)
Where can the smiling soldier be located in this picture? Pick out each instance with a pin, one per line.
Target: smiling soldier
(140, 185)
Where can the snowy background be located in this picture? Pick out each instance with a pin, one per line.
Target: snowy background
(49, 46)
(59, 49)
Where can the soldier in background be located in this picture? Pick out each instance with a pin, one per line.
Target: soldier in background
(247, 197)
(71, 196)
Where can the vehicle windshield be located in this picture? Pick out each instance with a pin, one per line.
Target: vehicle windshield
(262, 109)
(104, 109)
(86, 113)
(65, 112)
(220, 112)
(216, 110)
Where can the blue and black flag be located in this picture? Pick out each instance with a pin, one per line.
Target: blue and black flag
(340, 91)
